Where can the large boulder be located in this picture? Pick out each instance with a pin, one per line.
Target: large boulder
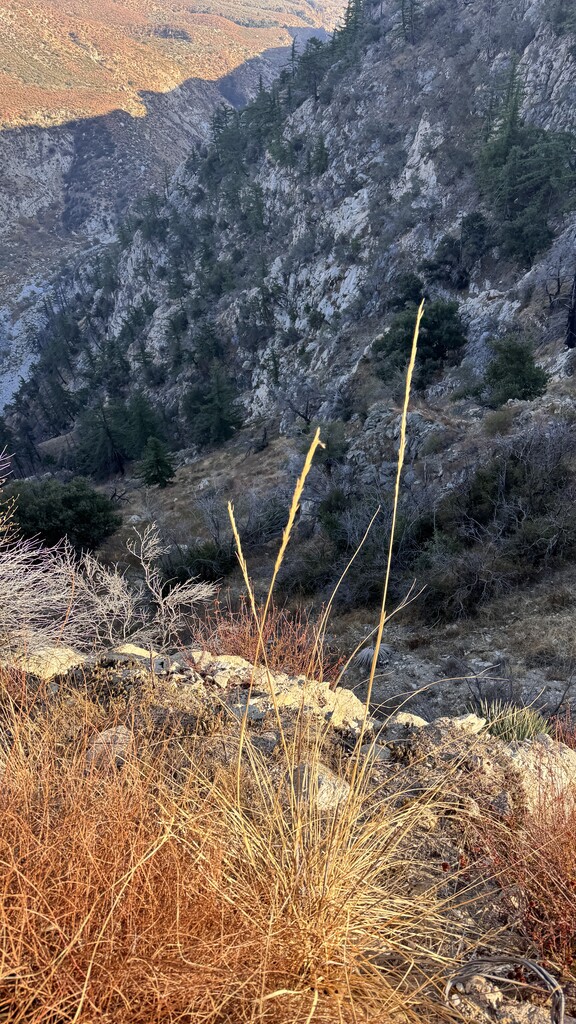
(547, 772)
(48, 662)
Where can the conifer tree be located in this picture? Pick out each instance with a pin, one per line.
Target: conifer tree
(212, 408)
(102, 442)
(156, 466)
(143, 423)
(410, 11)
(320, 156)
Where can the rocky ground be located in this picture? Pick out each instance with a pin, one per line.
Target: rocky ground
(465, 777)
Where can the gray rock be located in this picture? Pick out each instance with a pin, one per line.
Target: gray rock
(547, 771)
(320, 785)
(470, 724)
(376, 753)
(266, 742)
(402, 724)
(110, 748)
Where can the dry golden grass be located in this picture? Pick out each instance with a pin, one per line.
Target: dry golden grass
(136, 896)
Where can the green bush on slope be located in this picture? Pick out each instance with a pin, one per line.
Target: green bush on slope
(52, 511)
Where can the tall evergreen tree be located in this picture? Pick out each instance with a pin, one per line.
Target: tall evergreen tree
(156, 466)
(410, 11)
(102, 442)
(212, 408)
(143, 422)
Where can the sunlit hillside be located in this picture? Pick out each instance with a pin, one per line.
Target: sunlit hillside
(61, 60)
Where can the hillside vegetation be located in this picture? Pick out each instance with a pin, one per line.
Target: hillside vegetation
(60, 62)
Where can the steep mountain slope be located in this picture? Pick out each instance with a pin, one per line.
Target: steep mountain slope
(99, 105)
(274, 285)
(63, 61)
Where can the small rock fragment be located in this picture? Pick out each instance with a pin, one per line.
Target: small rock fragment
(110, 747)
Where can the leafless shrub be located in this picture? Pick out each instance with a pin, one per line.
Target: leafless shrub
(49, 597)
(159, 608)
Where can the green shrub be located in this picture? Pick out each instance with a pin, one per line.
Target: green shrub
(438, 440)
(442, 338)
(330, 512)
(408, 290)
(52, 511)
(512, 517)
(316, 319)
(513, 373)
(446, 266)
(209, 561)
(498, 422)
(455, 257)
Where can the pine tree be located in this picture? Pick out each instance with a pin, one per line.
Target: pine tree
(143, 423)
(410, 11)
(102, 442)
(320, 156)
(156, 466)
(211, 409)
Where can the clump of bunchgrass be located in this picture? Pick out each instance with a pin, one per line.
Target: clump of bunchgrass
(135, 895)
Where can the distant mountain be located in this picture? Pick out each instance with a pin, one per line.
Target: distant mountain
(65, 59)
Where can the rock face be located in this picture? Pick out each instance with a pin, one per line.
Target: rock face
(65, 187)
(548, 773)
(49, 662)
(201, 689)
(363, 182)
(67, 182)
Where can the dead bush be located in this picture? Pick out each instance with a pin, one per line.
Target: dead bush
(535, 863)
(293, 640)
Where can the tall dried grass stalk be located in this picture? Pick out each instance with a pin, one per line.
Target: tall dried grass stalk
(260, 618)
(399, 468)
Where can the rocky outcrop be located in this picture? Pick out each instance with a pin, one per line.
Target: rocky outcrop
(194, 684)
(66, 187)
(201, 693)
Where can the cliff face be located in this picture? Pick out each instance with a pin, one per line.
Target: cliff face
(71, 162)
(66, 188)
(292, 247)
